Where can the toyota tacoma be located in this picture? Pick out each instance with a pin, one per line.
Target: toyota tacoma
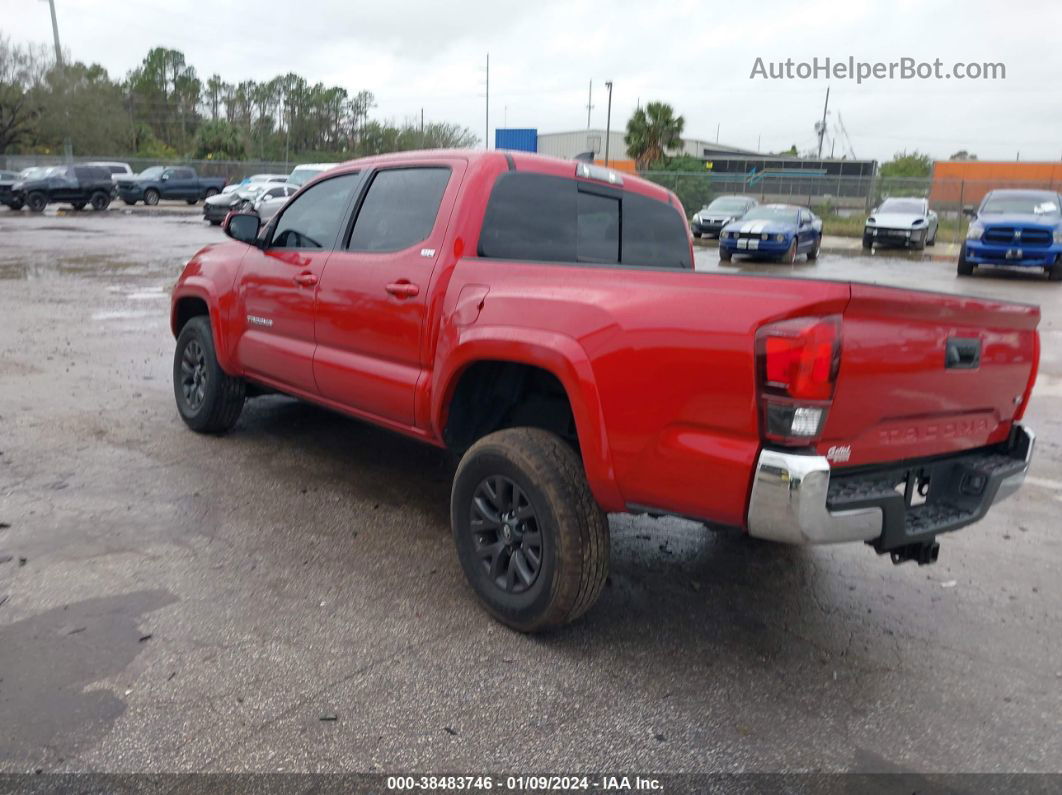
(542, 320)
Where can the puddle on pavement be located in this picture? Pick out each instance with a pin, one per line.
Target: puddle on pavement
(124, 314)
(85, 265)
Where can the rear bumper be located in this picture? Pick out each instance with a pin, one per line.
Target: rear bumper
(793, 500)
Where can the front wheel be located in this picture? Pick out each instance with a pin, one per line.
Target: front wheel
(965, 267)
(37, 202)
(208, 399)
(130, 202)
(531, 540)
(790, 253)
(814, 252)
(100, 201)
(725, 255)
(151, 197)
(1054, 273)
(15, 205)
(697, 235)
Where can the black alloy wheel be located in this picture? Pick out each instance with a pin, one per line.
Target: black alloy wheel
(505, 527)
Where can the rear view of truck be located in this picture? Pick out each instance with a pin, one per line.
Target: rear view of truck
(892, 422)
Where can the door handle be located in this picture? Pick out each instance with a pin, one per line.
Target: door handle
(306, 279)
(403, 289)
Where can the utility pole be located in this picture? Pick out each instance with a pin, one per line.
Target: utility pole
(486, 120)
(68, 151)
(608, 120)
(822, 129)
(717, 126)
(589, 103)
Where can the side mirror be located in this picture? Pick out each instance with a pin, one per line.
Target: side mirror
(243, 227)
(968, 209)
(165, 176)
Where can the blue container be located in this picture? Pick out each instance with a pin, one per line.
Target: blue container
(517, 139)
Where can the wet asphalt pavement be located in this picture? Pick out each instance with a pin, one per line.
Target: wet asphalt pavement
(288, 598)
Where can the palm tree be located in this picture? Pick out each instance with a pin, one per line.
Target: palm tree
(652, 131)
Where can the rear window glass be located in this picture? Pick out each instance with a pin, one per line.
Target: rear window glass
(555, 219)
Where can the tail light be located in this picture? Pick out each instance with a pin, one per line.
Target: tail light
(1032, 378)
(797, 361)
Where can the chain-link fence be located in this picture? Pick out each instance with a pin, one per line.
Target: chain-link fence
(231, 170)
(843, 202)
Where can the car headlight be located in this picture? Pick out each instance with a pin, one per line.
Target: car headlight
(779, 237)
(918, 221)
(975, 231)
(871, 221)
(1058, 235)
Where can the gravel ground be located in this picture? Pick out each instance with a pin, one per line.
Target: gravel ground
(288, 598)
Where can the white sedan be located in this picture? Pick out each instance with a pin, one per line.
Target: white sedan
(901, 222)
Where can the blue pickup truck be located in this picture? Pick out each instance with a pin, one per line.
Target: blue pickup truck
(167, 182)
(1015, 228)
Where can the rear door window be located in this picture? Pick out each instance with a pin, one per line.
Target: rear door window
(400, 208)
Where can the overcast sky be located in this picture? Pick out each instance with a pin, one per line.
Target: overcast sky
(695, 55)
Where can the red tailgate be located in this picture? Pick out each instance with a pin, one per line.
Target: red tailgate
(898, 396)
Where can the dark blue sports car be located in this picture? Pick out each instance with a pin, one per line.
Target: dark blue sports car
(773, 231)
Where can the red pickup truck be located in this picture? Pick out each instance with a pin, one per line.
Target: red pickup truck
(542, 319)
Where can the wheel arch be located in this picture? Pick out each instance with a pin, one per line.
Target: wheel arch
(554, 356)
(195, 300)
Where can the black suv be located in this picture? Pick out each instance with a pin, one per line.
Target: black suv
(75, 185)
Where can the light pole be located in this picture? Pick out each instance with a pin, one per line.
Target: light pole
(608, 120)
(68, 151)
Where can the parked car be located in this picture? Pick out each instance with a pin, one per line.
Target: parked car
(711, 218)
(269, 201)
(217, 207)
(902, 222)
(168, 182)
(7, 180)
(773, 231)
(1015, 229)
(254, 178)
(542, 320)
(116, 169)
(76, 185)
(300, 175)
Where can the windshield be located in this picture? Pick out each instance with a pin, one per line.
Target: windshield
(34, 172)
(727, 206)
(769, 213)
(151, 173)
(1026, 204)
(301, 176)
(902, 206)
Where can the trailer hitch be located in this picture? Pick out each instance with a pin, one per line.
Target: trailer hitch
(924, 553)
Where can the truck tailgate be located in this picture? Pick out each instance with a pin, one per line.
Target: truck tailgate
(924, 374)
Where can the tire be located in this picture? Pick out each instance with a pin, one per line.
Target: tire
(965, 267)
(868, 243)
(210, 192)
(37, 201)
(208, 399)
(725, 254)
(191, 201)
(100, 201)
(16, 205)
(151, 197)
(537, 473)
(215, 222)
(697, 235)
(813, 254)
(130, 202)
(1054, 273)
(933, 240)
(79, 206)
(791, 253)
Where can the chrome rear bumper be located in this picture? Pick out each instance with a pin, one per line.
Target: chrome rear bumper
(789, 498)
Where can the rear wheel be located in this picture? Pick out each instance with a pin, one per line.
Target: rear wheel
(100, 201)
(965, 267)
(79, 206)
(531, 540)
(208, 399)
(151, 197)
(814, 252)
(37, 201)
(210, 192)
